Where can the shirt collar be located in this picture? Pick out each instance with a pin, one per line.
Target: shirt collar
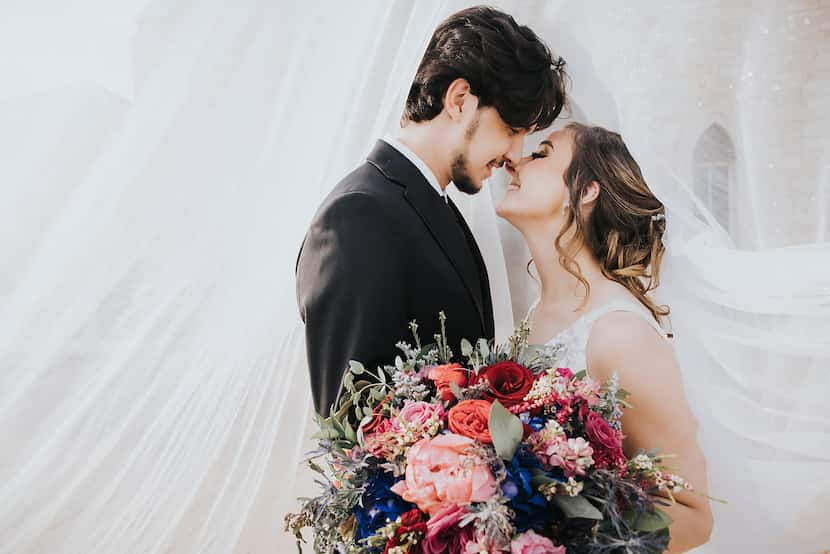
(417, 162)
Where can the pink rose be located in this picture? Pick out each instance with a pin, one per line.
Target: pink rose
(444, 534)
(531, 543)
(440, 472)
(418, 414)
(600, 433)
(376, 442)
(606, 442)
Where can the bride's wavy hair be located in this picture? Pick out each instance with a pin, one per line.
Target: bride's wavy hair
(624, 228)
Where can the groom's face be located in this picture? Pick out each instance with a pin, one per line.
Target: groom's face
(488, 142)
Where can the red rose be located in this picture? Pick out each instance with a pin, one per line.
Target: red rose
(509, 382)
(471, 418)
(411, 522)
(443, 375)
(412, 518)
(607, 442)
(600, 433)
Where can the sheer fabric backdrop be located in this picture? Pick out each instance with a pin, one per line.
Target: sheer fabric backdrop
(163, 159)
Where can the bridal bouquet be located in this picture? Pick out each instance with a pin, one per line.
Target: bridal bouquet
(505, 453)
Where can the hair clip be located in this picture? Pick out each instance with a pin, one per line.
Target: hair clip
(558, 64)
(658, 217)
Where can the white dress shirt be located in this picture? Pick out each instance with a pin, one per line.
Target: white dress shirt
(419, 163)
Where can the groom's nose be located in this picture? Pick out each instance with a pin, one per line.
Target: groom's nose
(514, 153)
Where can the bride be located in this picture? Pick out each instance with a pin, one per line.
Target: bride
(594, 230)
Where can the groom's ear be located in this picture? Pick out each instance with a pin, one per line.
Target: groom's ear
(458, 99)
(590, 194)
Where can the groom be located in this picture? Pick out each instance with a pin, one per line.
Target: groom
(388, 246)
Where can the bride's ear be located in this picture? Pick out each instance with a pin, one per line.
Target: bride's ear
(590, 194)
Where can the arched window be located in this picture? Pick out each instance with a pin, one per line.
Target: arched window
(713, 171)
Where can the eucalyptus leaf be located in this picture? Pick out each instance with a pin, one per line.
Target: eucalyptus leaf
(466, 348)
(356, 367)
(581, 374)
(506, 430)
(577, 507)
(349, 432)
(484, 348)
(348, 381)
(328, 433)
(649, 522)
(539, 478)
(338, 427)
(456, 390)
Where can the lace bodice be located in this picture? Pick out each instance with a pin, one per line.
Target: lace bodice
(574, 338)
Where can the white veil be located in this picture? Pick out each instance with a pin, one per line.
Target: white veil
(161, 163)
(750, 303)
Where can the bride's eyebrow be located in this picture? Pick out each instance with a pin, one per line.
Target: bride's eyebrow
(547, 143)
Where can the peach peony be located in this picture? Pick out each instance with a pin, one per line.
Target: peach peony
(440, 472)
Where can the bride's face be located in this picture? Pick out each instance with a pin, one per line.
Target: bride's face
(537, 190)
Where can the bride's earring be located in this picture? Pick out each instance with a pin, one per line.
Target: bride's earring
(565, 207)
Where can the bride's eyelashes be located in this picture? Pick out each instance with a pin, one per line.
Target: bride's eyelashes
(536, 155)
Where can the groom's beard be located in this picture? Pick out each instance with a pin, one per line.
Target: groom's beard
(458, 173)
(461, 178)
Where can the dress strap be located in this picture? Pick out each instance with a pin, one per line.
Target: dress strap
(530, 310)
(624, 306)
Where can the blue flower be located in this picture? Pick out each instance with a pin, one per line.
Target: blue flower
(537, 423)
(379, 504)
(530, 506)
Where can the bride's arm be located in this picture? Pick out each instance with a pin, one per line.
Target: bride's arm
(660, 418)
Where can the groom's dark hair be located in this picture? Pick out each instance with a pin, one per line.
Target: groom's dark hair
(507, 65)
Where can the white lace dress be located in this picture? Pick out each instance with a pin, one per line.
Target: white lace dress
(574, 338)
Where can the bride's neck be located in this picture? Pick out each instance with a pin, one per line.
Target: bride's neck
(559, 288)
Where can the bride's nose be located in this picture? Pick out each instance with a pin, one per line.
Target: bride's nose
(513, 168)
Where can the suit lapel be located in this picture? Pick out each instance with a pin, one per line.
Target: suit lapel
(438, 218)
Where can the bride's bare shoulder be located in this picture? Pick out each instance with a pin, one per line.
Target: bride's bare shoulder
(624, 341)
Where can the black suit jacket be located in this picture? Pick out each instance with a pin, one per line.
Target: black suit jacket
(384, 249)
